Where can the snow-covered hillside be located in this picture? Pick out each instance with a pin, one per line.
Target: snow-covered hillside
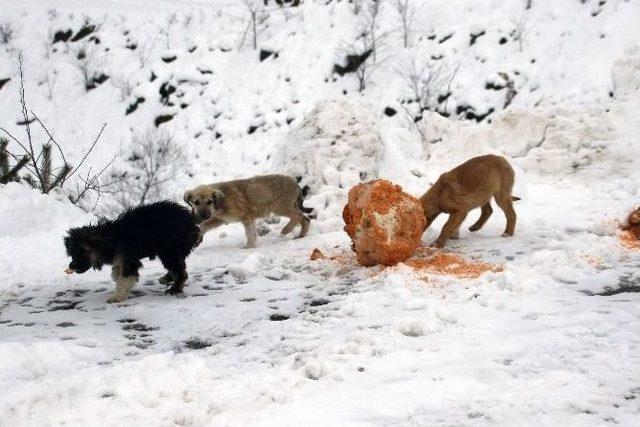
(266, 336)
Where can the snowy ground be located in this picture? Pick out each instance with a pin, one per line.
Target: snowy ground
(266, 336)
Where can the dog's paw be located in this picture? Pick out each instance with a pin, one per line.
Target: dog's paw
(437, 244)
(166, 279)
(507, 235)
(173, 291)
(248, 246)
(116, 298)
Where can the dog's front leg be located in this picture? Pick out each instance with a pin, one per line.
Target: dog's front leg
(123, 286)
(251, 233)
(210, 224)
(125, 276)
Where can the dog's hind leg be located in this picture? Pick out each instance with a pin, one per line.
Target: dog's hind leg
(290, 226)
(304, 223)
(485, 213)
(506, 204)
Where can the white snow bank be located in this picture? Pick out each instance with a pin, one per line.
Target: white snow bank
(542, 140)
(337, 146)
(32, 226)
(625, 73)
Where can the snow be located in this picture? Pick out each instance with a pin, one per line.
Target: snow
(266, 336)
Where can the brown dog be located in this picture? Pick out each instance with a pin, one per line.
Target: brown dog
(469, 186)
(245, 200)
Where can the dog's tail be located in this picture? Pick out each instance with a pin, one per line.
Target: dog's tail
(515, 198)
(309, 212)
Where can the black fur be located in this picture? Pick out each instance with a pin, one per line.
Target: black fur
(303, 193)
(165, 230)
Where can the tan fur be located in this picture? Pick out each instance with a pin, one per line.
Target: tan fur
(246, 200)
(469, 186)
(123, 284)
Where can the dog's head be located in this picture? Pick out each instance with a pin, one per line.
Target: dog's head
(204, 201)
(86, 247)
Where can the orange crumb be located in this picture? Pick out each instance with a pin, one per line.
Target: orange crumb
(594, 261)
(316, 254)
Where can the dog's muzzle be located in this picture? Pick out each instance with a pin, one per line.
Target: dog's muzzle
(204, 215)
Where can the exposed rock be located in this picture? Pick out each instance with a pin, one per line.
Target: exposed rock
(385, 224)
(353, 62)
(86, 29)
(4, 82)
(265, 53)
(62, 36)
(162, 119)
(390, 112)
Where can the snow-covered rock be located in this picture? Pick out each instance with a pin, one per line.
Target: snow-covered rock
(625, 73)
(337, 145)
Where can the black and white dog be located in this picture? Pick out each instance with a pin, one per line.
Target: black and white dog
(165, 230)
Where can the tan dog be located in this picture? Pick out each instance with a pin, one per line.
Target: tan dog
(246, 200)
(469, 186)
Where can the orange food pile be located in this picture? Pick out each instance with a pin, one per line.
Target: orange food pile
(630, 238)
(428, 260)
(630, 234)
(450, 264)
(385, 224)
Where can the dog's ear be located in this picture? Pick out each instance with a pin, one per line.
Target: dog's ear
(187, 197)
(218, 198)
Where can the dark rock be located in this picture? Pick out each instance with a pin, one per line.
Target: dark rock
(468, 113)
(62, 36)
(474, 37)
(162, 119)
(353, 62)
(265, 53)
(134, 106)
(96, 81)
(445, 38)
(390, 111)
(166, 89)
(4, 82)
(86, 29)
